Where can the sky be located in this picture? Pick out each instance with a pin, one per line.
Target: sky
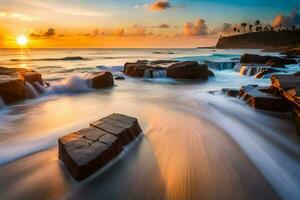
(135, 23)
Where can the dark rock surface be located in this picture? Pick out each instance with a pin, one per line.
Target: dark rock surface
(85, 151)
(188, 70)
(288, 86)
(13, 83)
(119, 78)
(263, 98)
(267, 60)
(100, 80)
(231, 92)
(139, 68)
(260, 40)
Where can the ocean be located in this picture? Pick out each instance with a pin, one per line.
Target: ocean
(197, 143)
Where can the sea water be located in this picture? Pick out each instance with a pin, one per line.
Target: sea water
(197, 144)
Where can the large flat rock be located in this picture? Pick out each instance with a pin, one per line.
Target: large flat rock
(263, 98)
(87, 150)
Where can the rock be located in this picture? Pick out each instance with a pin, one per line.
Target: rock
(139, 68)
(32, 77)
(263, 98)
(188, 70)
(255, 70)
(297, 74)
(100, 80)
(124, 127)
(12, 89)
(267, 60)
(14, 84)
(288, 86)
(231, 92)
(119, 78)
(85, 151)
(280, 63)
(295, 51)
(210, 73)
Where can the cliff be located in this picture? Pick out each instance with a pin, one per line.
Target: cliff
(260, 40)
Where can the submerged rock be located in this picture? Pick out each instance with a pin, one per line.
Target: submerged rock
(100, 80)
(85, 151)
(188, 70)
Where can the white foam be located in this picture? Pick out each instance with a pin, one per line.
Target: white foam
(73, 83)
(31, 92)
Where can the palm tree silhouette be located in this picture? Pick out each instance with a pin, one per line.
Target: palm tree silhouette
(257, 24)
(244, 24)
(250, 27)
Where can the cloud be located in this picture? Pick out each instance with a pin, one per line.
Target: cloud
(286, 21)
(119, 32)
(141, 6)
(195, 29)
(94, 33)
(49, 33)
(164, 26)
(160, 5)
(19, 16)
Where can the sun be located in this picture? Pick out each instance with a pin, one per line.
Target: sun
(22, 40)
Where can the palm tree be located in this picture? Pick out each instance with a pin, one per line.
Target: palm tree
(257, 23)
(294, 27)
(244, 24)
(250, 27)
(235, 29)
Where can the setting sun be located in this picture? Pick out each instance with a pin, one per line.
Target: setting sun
(22, 40)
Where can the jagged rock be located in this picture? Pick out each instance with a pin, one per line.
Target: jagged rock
(188, 70)
(288, 86)
(119, 78)
(100, 80)
(231, 92)
(85, 151)
(263, 98)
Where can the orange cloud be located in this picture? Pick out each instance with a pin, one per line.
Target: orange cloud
(195, 29)
(119, 32)
(49, 33)
(164, 26)
(286, 21)
(160, 5)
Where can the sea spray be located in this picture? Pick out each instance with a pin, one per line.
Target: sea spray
(31, 92)
(71, 84)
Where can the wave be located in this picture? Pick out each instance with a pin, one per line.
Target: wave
(73, 58)
(111, 69)
(71, 84)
